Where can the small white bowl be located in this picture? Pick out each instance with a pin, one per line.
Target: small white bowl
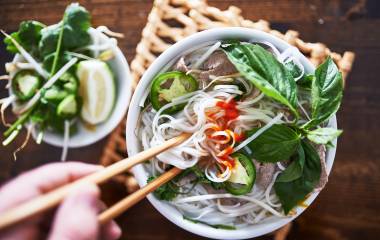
(169, 56)
(85, 136)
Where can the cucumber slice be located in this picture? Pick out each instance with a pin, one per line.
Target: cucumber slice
(68, 107)
(97, 89)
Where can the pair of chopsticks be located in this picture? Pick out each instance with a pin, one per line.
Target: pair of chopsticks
(53, 198)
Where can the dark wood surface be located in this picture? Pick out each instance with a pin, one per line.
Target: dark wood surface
(349, 206)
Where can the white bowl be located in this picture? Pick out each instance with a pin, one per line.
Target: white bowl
(169, 56)
(85, 136)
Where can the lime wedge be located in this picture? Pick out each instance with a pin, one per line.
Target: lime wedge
(97, 88)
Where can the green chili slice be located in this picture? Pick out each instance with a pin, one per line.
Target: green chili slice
(243, 175)
(25, 84)
(168, 86)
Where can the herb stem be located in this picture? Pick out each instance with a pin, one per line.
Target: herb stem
(56, 56)
(20, 121)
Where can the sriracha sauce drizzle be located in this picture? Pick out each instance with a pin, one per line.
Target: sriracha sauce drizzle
(228, 138)
(231, 112)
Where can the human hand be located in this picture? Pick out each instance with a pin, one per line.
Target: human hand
(76, 217)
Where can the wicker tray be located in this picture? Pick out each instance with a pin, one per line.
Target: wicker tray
(172, 20)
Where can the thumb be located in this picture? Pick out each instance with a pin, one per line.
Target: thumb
(76, 218)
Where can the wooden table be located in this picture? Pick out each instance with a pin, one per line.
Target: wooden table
(349, 207)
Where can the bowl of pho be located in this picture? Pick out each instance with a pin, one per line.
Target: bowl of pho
(69, 83)
(262, 130)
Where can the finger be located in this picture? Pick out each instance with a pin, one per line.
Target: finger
(77, 216)
(26, 230)
(111, 231)
(41, 180)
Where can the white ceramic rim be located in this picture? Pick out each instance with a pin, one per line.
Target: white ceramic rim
(85, 137)
(169, 56)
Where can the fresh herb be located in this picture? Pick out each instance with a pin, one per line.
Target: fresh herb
(295, 169)
(57, 53)
(60, 62)
(293, 68)
(167, 192)
(326, 93)
(306, 81)
(217, 226)
(280, 142)
(277, 143)
(292, 192)
(199, 174)
(200, 177)
(265, 72)
(75, 25)
(28, 36)
(302, 175)
(170, 190)
(323, 135)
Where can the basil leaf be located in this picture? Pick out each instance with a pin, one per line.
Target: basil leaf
(28, 36)
(275, 144)
(293, 69)
(265, 72)
(326, 93)
(306, 81)
(76, 22)
(323, 135)
(293, 192)
(295, 169)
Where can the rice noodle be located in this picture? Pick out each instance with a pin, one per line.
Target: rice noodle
(269, 188)
(227, 195)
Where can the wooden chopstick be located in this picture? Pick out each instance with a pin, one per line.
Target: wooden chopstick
(135, 197)
(53, 198)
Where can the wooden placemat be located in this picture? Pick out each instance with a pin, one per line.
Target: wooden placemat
(172, 20)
